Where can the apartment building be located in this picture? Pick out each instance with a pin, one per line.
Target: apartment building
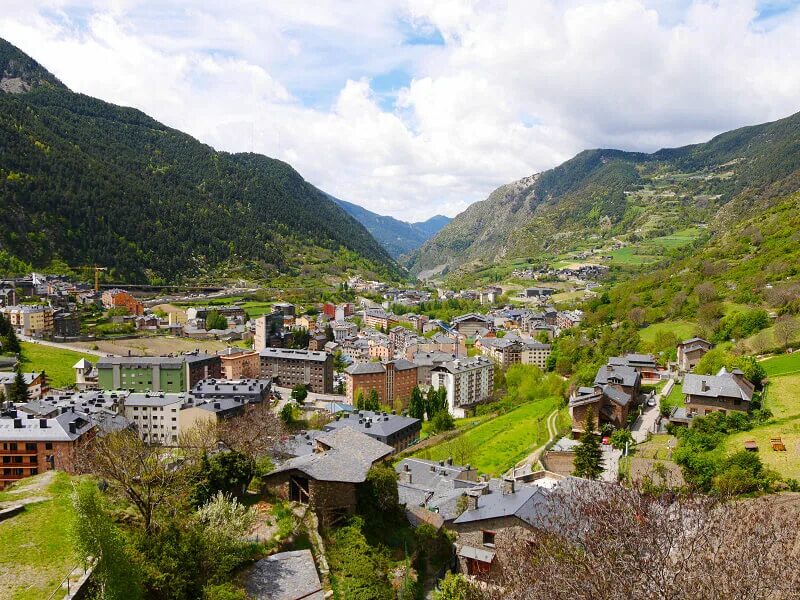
(29, 446)
(31, 321)
(268, 328)
(117, 298)
(393, 380)
(155, 416)
(236, 363)
(379, 318)
(467, 381)
(288, 367)
(157, 373)
(36, 383)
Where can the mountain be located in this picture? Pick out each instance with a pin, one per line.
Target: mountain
(84, 182)
(398, 237)
(605, 196)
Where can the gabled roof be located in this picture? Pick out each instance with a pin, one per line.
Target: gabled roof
(472, 317)
(616, 395)
(285, 576)
(722, 385)
(628, 376)
(365, 368)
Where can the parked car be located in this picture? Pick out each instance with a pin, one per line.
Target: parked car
(651, 402)
(606, 441)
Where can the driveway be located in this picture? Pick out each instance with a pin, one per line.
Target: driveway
(645, 423)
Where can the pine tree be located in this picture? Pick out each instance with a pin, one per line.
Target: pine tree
(19, 389)
(589, 455)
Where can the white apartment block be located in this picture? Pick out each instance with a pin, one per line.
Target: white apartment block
(468, 382)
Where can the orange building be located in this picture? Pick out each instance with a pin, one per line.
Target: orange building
(240, 364)
(393, 380)
(121, 299)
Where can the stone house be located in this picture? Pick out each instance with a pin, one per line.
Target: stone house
(725, 391)
(691, 351)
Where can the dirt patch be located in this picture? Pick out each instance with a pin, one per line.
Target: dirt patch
(661, 472)
(154, 346)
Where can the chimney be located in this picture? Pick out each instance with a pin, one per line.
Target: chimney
(433, 468)
(17, 423)
(42, 423)
(367, 424)
(216, 405)
(72, 427)
(406, 467)
(441, 463)
(405, 476)
(507, 487)
(703, 386)
(472, 500)
(449, 461)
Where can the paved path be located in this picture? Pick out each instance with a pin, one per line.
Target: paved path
(645, 423)
(526, 465)
(610, 464)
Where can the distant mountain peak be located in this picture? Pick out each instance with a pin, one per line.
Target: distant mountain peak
(19, 73)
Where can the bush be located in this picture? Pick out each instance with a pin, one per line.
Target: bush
(223, 591)
(620, 437)
(443, 421)
(359, 571)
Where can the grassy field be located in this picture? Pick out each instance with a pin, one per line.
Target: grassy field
(496, 445)
(783, 364)
(36, 547)
(55, 362)
(628, 256)
(683, 329)
(783, 399)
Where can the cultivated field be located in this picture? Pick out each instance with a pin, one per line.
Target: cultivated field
(784, 364)
(496, 445)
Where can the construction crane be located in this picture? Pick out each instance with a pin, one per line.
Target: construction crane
(97, 277)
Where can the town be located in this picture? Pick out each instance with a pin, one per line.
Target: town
(383, 380)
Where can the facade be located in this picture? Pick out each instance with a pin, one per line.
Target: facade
(537, 292)
(85, 375)
(470, 324)
(724, 392)
(155, 416)
(379, 318)
(29, 446)
(121, 299)
(467, 382)
(236, 363)
(288, 367)
(569, 318)
(628, 379)
(393, 380)
(36, 382)
(268, 326)
(511, 351)
(157, 373)
(644, 364)
(609, 404)
(250, 390)
(31, 321)
(535, 353)
(690, 352)
(66, 325)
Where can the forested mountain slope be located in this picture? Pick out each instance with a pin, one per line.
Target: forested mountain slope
(84, 182)
(602, 195)
(398, 237)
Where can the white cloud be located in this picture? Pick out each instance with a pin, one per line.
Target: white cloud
(518, 86)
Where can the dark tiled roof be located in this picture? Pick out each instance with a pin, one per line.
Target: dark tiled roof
(285, 576)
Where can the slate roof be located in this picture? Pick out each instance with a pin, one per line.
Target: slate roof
(722, 385)
(616, 395)
(522, 503)
(348, 459)
(290, 353)
(154, 399)
(633, 360)
(380, 424)
(628, 375)
(165, 362)
(365, 368)
(465, 364)
(285, 576)
(57, 429)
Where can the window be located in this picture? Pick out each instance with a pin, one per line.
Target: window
(48, 445)
(488, 538)
(30, 447)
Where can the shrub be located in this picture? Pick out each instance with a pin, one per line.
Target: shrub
(443, 421)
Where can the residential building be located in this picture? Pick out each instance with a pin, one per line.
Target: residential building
(535, 353)
(626, 377)
(66, 325)
(343, 330)
(470, 324)
(36, 383)
(609, 403)
(434, 485)
(397, 431)
(29, 446)
(426, 361)
(379, 318)
(268, 328)
(644, 364)
(194, 412)
(287, 368)
(569, 318)
(511, 350)
(237, 314)
(155, 416)
(393, 380)
(725, 391)
(468, 382)
(8, 293)
(117, 298)
(537, 292)
(237, 363)
(251, 391)
(29, 320)
(316, 343)
(691, 351)
(85, 375)
(157, 373)
(328, 479)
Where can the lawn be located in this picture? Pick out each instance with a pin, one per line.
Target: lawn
(628, 257)
(497, 444)
(55, 362)
(683, 329)
(783, 399)
(782, 364)
(37, 551)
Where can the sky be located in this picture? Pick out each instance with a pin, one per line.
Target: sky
(419, 107)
